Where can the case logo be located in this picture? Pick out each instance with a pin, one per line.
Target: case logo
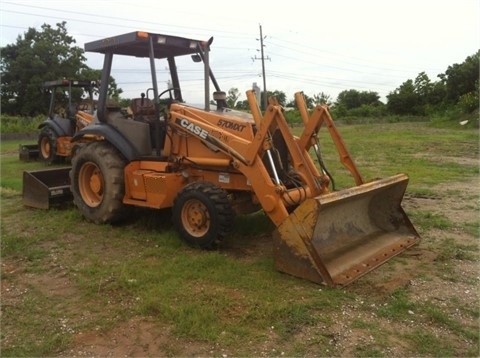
(197, 130)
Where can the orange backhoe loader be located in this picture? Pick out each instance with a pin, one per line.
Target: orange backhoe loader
(68, 112)
(208, 164)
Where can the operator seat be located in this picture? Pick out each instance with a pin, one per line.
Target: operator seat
(71, 111)
(143, 109)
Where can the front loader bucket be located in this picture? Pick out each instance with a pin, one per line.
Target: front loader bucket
(43, 188)
(337, 237)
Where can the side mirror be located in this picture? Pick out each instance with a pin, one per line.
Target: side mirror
(196, 58)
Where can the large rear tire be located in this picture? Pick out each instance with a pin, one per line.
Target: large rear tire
(47, 145)
(203, 215)
(97, 183)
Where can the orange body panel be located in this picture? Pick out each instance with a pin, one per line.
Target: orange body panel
(83, 119)
(149, 185)
(242, 141)
(64, 146)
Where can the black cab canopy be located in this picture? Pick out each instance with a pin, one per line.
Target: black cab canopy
(69, 83)
(138, 44)
(152, 46)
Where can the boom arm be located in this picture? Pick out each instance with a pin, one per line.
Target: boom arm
(313, 124)
(246, 155)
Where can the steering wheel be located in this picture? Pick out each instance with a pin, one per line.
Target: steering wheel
(169, 90)
(165, 103)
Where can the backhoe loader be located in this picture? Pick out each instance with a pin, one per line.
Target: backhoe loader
(209, 164)
(67, 113)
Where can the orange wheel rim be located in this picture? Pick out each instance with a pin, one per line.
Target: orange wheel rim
(91, 184)
(45, 147)
(195, 218)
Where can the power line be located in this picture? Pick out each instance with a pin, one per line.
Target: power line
(340, 55)
(262, 58)
(299, 52)
(117, 24)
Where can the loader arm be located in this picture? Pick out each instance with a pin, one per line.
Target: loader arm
(246, 157)
(309, 136)
(238, 151)
(331, 237)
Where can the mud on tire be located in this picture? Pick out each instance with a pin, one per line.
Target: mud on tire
(97, 183)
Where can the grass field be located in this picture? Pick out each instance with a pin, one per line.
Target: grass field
(72, 288)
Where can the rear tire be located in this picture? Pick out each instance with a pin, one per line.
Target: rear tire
(203, 215)
(47, 145)
(97, 183)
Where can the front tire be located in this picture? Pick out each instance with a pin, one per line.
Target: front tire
(97, 183)
(202, 214)
(47, 145)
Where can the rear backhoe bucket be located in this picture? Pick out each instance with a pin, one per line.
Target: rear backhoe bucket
(337, 237)
(43, 188)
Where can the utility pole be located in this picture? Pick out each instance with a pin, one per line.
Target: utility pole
(263, 69)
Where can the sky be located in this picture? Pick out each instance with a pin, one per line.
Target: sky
(312, 46)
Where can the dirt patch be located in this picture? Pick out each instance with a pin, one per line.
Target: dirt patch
(138, 337)
(463, 160)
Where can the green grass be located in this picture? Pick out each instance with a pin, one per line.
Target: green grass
(449, 250)
(237, 298)
(398, 307)
(233, 297)
(428, 220)
(441, 318)
(25, 337)
(411, 150)
(426, 343)
(17, 124)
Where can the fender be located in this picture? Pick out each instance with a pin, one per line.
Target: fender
(61, 126)
(112, 136)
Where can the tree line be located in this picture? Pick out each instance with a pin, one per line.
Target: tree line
(457, 88)
(50, 53)
(38, 56)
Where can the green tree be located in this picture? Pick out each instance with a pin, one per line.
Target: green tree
(114, 92)
(461, 79)
(423, 86)
(279, 95)
(322, 98)
(416, 97)
(242, 105)
(310, 102)
(437, 94)
(352, 98)
(404, 100)
(37, 56)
